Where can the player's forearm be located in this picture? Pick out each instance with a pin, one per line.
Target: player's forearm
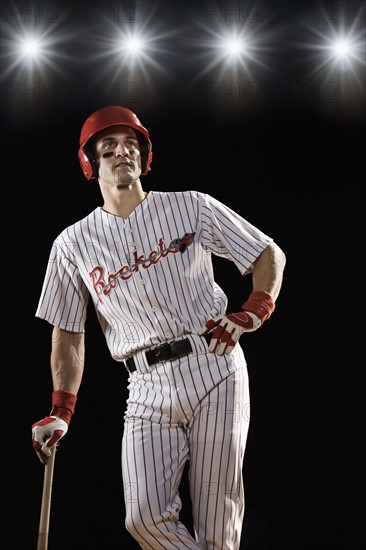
(268, 271)
(67, 360)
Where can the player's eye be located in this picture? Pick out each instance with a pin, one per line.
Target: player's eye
(109, 144)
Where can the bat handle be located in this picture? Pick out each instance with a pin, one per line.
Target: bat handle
(44, 520)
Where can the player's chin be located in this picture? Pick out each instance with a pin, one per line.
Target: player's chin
(132, 171)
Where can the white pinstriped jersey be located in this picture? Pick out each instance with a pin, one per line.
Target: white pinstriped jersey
(145, 293)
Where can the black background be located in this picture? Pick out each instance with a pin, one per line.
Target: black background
(285, 149)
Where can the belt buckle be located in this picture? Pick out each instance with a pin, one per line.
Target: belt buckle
(159, 352)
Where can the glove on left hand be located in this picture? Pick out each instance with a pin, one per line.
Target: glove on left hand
(231, 326)
(228, 330)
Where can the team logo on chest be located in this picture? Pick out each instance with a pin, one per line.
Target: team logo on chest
(104, 283)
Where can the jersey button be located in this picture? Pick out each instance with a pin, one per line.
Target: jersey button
(168, 335)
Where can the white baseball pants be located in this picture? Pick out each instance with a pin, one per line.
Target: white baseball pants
(194, 408)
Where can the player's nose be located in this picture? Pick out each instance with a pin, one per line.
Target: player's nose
(121, 150)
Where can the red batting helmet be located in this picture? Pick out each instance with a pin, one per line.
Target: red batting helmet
(111, 115)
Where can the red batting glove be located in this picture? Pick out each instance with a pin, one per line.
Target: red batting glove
(228, 330)
(230, 326)
(47, 432)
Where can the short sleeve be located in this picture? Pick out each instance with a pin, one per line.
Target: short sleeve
(227, 234)
(64, 296)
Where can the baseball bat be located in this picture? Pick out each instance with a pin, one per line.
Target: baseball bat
(44, 521)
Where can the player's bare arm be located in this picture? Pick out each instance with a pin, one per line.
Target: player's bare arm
(67, 359)
(267, 275)
(268, 270)
(67, 366)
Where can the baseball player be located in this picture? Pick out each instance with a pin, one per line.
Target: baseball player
(145, 260)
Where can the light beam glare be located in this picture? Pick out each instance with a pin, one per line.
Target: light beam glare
(341, 48)
(29, 48)
(232, 51)
(336, 51)
(132, 52)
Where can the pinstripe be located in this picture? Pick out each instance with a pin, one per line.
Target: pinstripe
(220, 455)
(144, 293)
(214, 457)
(162, 299)
(137, 306)
(232, 520)
(170, 298)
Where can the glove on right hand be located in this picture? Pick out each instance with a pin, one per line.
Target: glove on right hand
(46, 433)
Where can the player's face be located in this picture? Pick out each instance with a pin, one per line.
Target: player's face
(118, 156)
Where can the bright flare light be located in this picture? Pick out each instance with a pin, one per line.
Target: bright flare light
(344, 52)
(133, 45)
(234, 47)
(342, 48)
(338, 52)
(133, 48)
(131, 53)
(231, 48)
(27, 50)
(229, 52)
(30, 48)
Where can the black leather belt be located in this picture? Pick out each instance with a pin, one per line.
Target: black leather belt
(166, 352)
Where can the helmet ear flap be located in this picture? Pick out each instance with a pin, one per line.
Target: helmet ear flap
(93, 167)
(144, 151)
